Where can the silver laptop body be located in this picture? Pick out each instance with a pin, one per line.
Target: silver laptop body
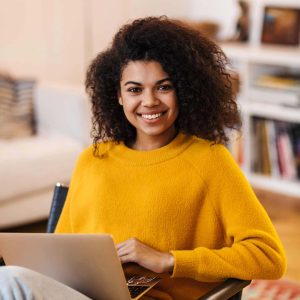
(86, 262)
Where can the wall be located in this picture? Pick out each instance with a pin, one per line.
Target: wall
(42, 39)
(106, 19)
(22, 37)
(55, 40)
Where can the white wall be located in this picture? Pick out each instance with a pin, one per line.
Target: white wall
(65, 40)
(22, 37)
(174, 9)
(54, 40)
(107, 18)
(42, 39)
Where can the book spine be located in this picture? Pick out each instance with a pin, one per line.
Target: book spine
(275, 149)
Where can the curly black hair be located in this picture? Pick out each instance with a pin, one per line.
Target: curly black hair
(197, 68)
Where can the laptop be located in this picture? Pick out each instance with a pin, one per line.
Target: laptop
(86, 262)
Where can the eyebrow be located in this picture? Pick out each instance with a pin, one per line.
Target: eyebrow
(139, 84)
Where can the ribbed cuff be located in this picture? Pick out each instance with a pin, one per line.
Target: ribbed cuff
(184, 264)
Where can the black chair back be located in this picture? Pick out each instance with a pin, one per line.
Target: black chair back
(58, 201)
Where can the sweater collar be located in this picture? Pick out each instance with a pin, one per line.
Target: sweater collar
(137, 157)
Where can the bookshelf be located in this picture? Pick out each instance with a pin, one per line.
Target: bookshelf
(264, 100)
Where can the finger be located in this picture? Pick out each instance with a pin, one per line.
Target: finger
(132, 241)
(122, 244)
(126, 248)
(122, 252)
(126, 259)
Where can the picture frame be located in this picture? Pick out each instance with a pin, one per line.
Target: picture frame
(281, 25)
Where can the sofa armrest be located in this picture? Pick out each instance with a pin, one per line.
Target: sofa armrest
(63, 110)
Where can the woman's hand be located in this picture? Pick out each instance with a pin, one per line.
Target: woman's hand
(133, 250)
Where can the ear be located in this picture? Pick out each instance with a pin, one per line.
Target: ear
(120, 98)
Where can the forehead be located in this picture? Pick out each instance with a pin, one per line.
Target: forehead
(143, 71)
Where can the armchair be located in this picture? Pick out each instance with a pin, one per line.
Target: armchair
(230, 289)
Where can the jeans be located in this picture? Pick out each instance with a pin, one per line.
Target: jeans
(18, 283)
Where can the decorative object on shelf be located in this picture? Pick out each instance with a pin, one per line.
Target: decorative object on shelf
(243, 22)
(281, 25)
(208, 28)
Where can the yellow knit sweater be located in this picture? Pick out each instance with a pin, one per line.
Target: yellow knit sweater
(188, 197)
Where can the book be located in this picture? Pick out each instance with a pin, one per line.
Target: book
(264, 149)
(275, 150)
(272, 149)
(277, 89)
(285, 152)
(288, 82)
(254, 158)
(274, 96)
(295, 136)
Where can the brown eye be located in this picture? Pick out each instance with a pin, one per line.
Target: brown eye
(165, 87)
(134, 90)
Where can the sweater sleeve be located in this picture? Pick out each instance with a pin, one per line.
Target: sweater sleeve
(253, 249)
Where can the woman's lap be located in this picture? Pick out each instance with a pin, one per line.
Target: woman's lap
(19, 283)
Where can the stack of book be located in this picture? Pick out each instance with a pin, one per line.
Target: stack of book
(277, 88)
(275, 149)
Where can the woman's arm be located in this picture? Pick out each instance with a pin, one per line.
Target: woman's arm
(253, 249)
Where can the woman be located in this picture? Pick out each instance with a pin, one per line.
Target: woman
(158, 177)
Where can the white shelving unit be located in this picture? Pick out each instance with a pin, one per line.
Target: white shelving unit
(250, 61)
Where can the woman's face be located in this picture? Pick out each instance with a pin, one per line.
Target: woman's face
(149, 101)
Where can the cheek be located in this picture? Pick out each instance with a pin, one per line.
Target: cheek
(173, 102)
(129, 109)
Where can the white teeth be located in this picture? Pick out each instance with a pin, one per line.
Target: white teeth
(150, 117)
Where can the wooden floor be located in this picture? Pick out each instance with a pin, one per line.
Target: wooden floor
(285, 214)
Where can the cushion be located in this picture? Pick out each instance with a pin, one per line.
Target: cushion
(16, 107)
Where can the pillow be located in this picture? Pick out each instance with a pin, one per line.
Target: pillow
(16, 107)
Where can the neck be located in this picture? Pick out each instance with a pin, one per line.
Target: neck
(147, 143)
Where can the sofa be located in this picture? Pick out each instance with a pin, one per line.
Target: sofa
(30, 166)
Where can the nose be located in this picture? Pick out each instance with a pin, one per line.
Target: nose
(150, 99)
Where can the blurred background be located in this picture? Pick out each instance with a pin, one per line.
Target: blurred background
(55, 40)
(46, 47)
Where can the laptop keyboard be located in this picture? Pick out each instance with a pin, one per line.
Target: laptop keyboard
(137, 284)
(136, 290)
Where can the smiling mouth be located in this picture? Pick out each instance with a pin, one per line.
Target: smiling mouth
(151, 116)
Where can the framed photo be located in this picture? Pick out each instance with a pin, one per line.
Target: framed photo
(281, 25)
